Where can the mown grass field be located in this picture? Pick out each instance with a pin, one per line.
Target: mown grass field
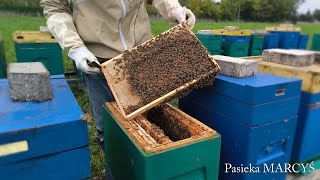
(10, 24)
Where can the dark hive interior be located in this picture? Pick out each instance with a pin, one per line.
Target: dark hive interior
(162, 117)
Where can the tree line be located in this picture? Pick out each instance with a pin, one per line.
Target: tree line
(250, 10)
(226, 10)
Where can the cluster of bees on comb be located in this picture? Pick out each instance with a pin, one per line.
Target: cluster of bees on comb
(164, 64)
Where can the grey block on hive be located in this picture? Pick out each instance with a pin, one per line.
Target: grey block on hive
(295, 58)
(29, 82)
(317, 57)
(315, 53)
(236, 67)
(205, 31)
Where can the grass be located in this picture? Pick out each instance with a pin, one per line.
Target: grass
(10, 24)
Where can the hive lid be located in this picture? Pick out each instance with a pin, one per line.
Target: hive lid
(162, 77)
(33, 37)
(284, 29)
(232, 32)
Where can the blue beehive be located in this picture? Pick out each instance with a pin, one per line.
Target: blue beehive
(306, 145)
(256, 117)
(288, 39)
(310, 98)
(43, 140)
(303, 41)
(271, 41)
(236, 38)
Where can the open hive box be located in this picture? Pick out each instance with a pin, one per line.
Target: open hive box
(163, 143)
(165, 67)
(160, 142)
(162, 128)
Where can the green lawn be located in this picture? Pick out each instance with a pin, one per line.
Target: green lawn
(10, 24)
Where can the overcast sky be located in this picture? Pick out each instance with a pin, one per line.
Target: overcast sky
(309, 4)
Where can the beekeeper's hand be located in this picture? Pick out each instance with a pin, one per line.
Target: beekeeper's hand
(81, 57)
(183, 14)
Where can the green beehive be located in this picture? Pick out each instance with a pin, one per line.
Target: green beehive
(35, 46)
(256, 45)
(136, 149)
(235, 49)
(3, 64)
(212, 42)
(316, 42)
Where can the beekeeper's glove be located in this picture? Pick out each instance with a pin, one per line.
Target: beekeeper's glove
(183, 14)
(81, 57)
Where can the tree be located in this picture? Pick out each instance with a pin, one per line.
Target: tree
(316, 14)
(205, 8)
(308, 17)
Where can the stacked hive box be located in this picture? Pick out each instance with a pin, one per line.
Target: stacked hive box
(289, 36)
(303, 41)
(256, 117)
(256, 44)
(211, 42)
(316, 42)
(34, 46)
(271, 41)
(235, 43)
(306, 145)
(134, 149)
(43, 140)
(2, 59)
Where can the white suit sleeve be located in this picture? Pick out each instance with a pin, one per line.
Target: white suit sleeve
(60, 23)
(165, 8)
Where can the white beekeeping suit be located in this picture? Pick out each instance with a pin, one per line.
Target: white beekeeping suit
(102, 29)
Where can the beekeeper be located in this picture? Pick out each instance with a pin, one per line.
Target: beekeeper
(99, 30)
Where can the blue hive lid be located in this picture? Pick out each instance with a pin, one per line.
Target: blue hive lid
(254, 90)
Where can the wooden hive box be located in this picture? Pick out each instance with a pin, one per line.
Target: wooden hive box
(151, 149)
(43, 140)
(36, 46)
(305, 148)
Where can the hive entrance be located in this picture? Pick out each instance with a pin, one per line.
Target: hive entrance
(162, 128)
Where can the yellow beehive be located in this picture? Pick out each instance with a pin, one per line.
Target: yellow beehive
(232, 32)
(284, 28)
(33, 37)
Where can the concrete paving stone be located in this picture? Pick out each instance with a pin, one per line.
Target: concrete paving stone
(29, 82)
(317, 57)
(205, 31)
(236, 67)
(294, 57)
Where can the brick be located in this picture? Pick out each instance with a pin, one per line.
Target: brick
(236, 67)
(29, 82)
(295, 58)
